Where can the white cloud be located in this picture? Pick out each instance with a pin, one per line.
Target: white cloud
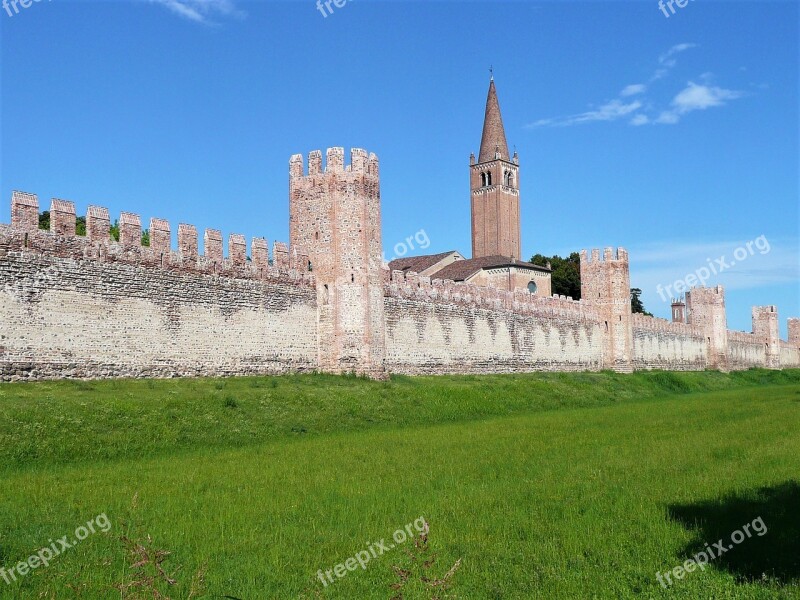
(664, 262)
(693, 97)
(696, 97)
(633, 90)
(666, 58)
(610, 111)
(201, 11)
(667, 61)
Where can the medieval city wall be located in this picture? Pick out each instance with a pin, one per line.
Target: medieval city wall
(92, 307)
(445, 327)
(745, 351)
(73, 307)
(660, 344)
(790, 355)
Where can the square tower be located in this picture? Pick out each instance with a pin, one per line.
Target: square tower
(335, 219)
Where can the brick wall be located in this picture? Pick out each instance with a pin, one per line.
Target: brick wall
(660, 344)
(73, 309)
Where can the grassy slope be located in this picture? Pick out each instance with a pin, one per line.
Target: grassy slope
(76, 421)
(590, 499)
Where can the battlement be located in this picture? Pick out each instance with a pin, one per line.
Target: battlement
(765, 312)
(62, 241)
(411, 285)
(609, 255)
(361, 162)
(743, 337)
(649, 323)
(698, 294)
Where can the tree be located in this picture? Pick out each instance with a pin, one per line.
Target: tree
(636, 303)
(44, 220)
(115, 231)
(146, 238)
(566, 277)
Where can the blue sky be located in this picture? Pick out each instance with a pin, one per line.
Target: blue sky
(675, 137)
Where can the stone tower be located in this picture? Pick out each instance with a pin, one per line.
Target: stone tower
(706, 309)
(765, 327)
(335, 220)
(494, 184)
(606, 284)
(794, 332)
(678, 310)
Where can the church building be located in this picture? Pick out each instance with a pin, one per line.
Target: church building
(496, 232)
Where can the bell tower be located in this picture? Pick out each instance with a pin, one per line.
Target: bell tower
(494, 184)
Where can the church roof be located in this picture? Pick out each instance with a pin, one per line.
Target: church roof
(418, 264)
(494, 134)
(462, 270)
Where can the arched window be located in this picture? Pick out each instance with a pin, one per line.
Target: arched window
(532, 287)
(510, 179)
(489, 178)
(483, 179)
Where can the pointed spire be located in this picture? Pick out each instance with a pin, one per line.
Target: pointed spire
(494, 134)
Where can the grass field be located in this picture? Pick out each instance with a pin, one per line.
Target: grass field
(542, 486)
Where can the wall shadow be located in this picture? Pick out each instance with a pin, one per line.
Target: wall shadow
(775, 554)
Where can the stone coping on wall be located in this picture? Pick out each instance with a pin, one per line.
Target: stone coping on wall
(744, 338)
(411, 285)
(649, 323)
(287, 269)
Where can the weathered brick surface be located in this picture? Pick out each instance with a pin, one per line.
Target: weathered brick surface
(130, 230)
(445, 327)
(660, 344)
(24, 211)
(745, 351)
(67, 313)
(62, 217)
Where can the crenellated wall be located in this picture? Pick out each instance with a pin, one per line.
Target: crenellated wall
(661, 344)
(745, 351)
(91, 307)
(445, 327)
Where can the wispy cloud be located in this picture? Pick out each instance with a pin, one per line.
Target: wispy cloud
(664, 262)
(633, 90)
(667, 59)
(643, 111)
(696, 97)
(610, 111)
(202, 11)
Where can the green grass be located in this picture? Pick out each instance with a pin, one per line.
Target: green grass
(544, 486)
